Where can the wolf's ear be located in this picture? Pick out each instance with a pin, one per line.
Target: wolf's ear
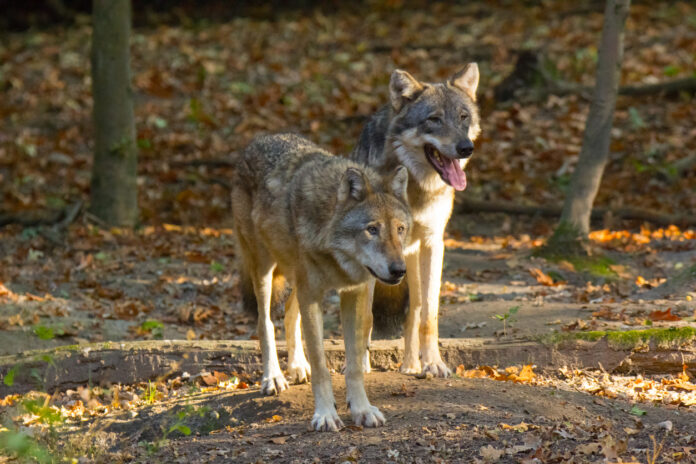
(353, 185)
(399, 182)
(467, 79)
(402, 88)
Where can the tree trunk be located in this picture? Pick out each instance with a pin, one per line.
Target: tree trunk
(114, 195)
(575, 218)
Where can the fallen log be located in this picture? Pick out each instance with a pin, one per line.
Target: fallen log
(466, 205)
(529, 79)
(33, 218)
(132, 362)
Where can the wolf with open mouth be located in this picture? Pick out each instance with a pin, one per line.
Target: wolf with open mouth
(429, 129)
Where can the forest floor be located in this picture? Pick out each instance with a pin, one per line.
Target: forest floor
(203, 89)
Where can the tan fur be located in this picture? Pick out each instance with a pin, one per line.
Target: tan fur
(325, 223)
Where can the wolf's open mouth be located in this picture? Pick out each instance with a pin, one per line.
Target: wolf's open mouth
(448, 168)
(386, 281)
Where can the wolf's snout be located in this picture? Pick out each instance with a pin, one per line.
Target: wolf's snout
(397, 270)
(465, 148)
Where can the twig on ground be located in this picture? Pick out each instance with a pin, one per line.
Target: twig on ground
(477, 206)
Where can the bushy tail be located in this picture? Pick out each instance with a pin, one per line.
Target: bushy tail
(389, 309)
(278, 295)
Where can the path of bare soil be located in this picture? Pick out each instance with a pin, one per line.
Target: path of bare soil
(437, 420)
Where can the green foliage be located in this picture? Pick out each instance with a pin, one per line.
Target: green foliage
(507, 317)
(637, 121)
(241, 88)
(43, 332)
(154, 327)
(216, 266)
(9, 377)
(45, 413)
(671, 70)
(636, 411)
(151, 393)
(22, 447)
(596, 265)
(144, 144)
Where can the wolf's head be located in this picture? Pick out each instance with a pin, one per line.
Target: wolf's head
(373, 222)
(434, 126)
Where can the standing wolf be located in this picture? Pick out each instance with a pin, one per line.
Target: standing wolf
(430, 129)
(326, 223)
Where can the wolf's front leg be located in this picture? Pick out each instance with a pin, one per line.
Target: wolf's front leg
(298, 367)
(325, 415)
(412, 364)
(431, 259)
(354, 309)
(273, 381)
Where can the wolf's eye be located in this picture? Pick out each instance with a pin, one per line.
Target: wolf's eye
(464, 116)
(372, 230)
(401, 229)
(435, 119)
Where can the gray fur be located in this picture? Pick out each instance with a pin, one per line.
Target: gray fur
(421, 116)
(326, 223)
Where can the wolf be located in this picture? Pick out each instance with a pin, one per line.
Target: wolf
(430, 129)
(323, 222)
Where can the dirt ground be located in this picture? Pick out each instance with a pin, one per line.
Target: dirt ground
(169, 279)
(436, 420)
(203, 90)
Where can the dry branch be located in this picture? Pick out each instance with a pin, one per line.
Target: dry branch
(61, 218)
(477, 206)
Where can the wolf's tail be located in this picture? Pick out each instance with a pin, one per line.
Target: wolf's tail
(389, 309)
(278, 294)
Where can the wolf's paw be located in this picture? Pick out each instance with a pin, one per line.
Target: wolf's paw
(299, 372)
(368, 416)
(436, 368)
(273, 385)
(410, 367)
(326, 420)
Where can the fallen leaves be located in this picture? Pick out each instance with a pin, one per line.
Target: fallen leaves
(510, 374)
(544, 279)
(665, 315)
(404, 391)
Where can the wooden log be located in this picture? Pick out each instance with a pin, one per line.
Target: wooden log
(466, 205)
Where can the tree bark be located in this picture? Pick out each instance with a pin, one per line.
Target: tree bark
(114, 196)
(575, 219)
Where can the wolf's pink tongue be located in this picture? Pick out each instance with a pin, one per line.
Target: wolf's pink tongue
(453, 174)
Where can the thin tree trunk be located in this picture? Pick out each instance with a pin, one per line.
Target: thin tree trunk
(575, 219)
(114, 196)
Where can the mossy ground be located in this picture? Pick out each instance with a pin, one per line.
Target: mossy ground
(664, 337)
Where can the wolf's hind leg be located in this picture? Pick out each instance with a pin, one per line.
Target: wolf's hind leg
(273, 381)
(298, 367)
(354, 309)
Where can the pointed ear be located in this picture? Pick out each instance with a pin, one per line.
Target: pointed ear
(403, 88)
(467, 79)
(398, 183)
(353, 185)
